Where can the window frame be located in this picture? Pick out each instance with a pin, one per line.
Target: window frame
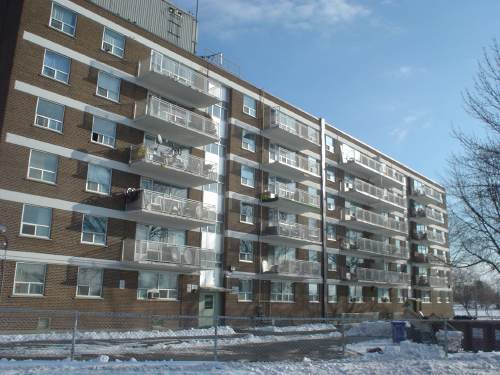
(112, 45)
(247, 256)
(248, 146)
(42, 170)
(94, 234)
(87, 189)
(113, 146)
(245, 295)
(169, 290)
(61, 30)
(313, 298)
(284, 297)
(329, 295)
(245, 218)
(330, 172)
(48, 118)
(88, 295)
(34, 224)
(329, 205)
(241, 176)
(328, 263)
(252, 112)
(107, 97)
(54, 69)
(14, 293)
(328, 232)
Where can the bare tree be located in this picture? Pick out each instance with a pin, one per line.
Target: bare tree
(474, 175)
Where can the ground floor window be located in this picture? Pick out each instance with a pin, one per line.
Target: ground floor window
(245, 293)
(159, 285)
(313, 293)
(89, 282)
(332, 293)
(282, 291)
(29, 279)
(383, 295)
(425, 295)
(355, 293)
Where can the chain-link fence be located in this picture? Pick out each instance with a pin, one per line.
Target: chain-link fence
(55, 334)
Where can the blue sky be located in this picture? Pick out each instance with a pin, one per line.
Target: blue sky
(389, 72)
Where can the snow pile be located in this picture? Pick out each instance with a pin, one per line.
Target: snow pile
(300, 328)
(370, 329)
(391, 351)
(454, 339)
(117, 335)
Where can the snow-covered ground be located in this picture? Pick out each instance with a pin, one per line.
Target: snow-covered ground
(298, 328)
(405, 359)
(490, 313)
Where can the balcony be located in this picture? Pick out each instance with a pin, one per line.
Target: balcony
(380, 276)
(170, 211)
(426, 195)
(169, 166)
(176, 124)
(292, 270)
(431, 281)
(164, 256)
(426, 216)
(371, 169)
(286, 130)
(290, 165)
(371, 195)
(290, 234)
(364, 220)
(296, 201)
(373, 247)
(177, 81)
(429, 236)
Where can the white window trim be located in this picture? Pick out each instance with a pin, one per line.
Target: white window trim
(112, 45)
(282, 294)
(243, 179)
(53, 119)
(313, 298)
(86, 295)
(246, 295)
(250, 255)
(94, 233)
(336, 294)
(107, 91)
(245, 145)
(248, 219)
(96, 191)
(249, 111)
(55, 70)
(29, 283)
(36, 225)
(61, 30)
(43, 170)
(169, 291)
(102, 136)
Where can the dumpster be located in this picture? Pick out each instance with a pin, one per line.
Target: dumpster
(398, 331)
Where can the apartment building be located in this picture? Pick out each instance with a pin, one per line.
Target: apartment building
(139, 177)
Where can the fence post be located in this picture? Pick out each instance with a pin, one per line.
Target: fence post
(446, 338)
(73, 339)
(216, 324)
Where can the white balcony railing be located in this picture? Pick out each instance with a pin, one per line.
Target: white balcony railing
(382, 276)
(167, 157)
(372, 218)
(438, 282)
(293, 126)
(171, 205)
(429, 213)
(297, 195)
(428, 235)
(293, 230)
(295, 268)
(173, 114)
(375, 192)
(424, 190)
(377, 247)
(282, 155)
(142, 251)
(168, 67)
(357, 157)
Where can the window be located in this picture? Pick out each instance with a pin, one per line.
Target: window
(103, 132)
(36, 221)
(422, 249)
(113, 42)
(163, 282)
(94, 230)
(246, 213)
(332, 293)
(42, 166)
(49, 115)
(313, 293)
(313, 256)
(246, 251)
(426, 296)
(248, 141)
(330, 202)
(383, 295)
(477, 333)
(247, 176)
(89, 282)
(98, 179)
(331, 232)
(355, 293)
(63, 19)
(56, 66)
(281, 291)
(249, 106)
(245, 293)
(332, 262)
(330, 173)
(108, 86)
(329, 144)
(29, 279)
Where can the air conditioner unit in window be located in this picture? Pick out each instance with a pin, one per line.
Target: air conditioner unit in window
(348, 186)
(153, 293)
(107, 47)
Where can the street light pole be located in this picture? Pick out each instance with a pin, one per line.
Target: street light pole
(4, 244)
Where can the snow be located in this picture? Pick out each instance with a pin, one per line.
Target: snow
(405, 359)
(116, 335)
(454, 339)
(299, 328)
(481, 313)
(370, 329)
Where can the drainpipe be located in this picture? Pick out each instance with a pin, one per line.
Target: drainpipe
(324, 308)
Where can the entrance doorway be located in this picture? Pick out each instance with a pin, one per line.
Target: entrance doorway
(208, 308)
